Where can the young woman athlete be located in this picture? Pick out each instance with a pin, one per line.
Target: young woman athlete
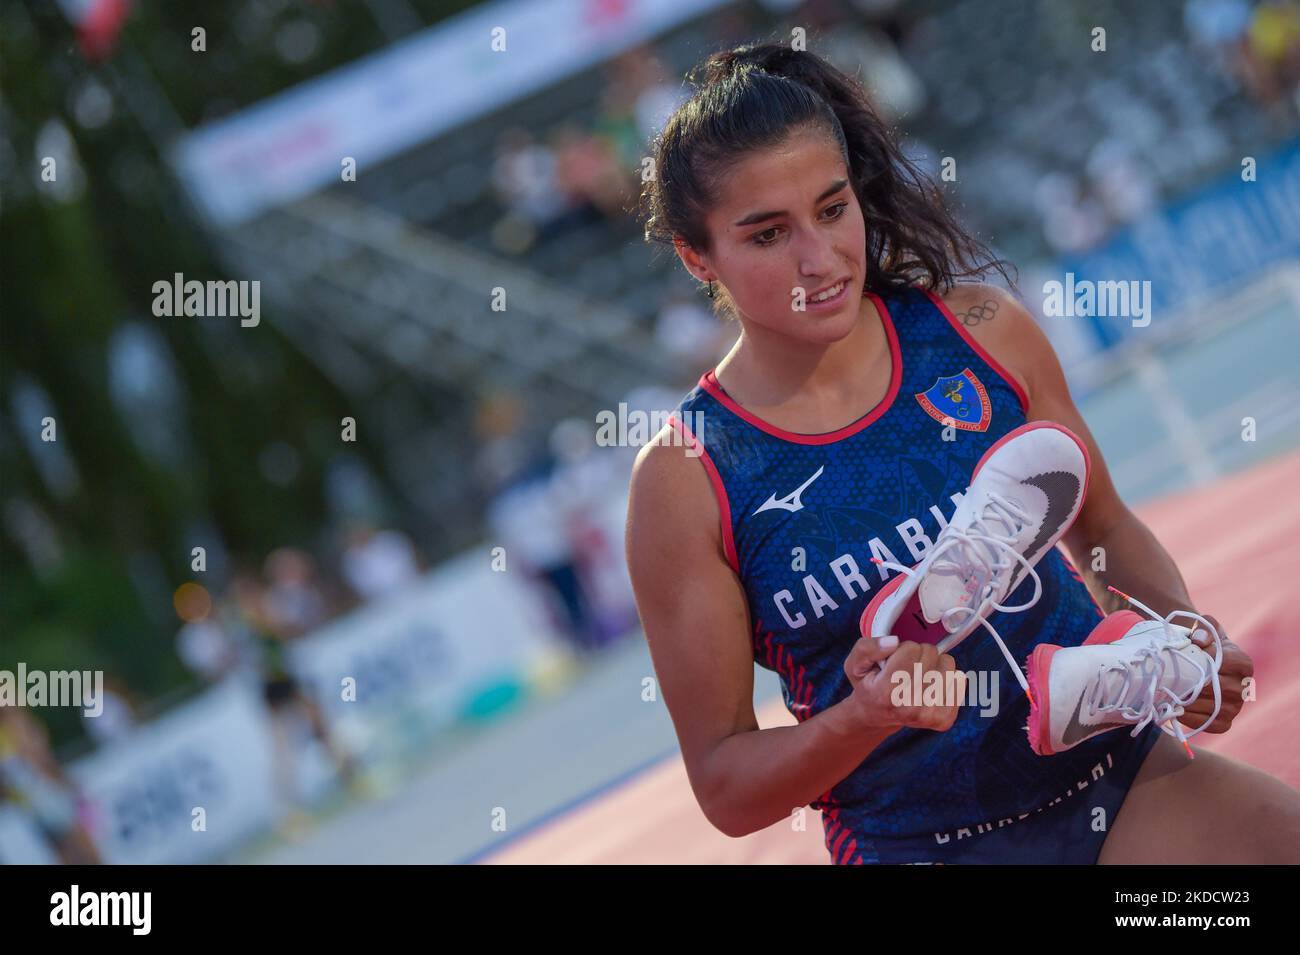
(751, 540)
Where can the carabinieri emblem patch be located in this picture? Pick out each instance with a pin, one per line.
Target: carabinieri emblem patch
(961, 400)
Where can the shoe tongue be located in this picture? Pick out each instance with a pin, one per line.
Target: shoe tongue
(1180, 674)
(939, 592)
(1113, 684)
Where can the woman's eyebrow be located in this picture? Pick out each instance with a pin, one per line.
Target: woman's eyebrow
(754, 217)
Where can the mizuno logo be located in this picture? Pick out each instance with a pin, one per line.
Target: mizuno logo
(791, 501)
(1076, 731)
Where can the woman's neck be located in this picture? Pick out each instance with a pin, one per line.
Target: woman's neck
(765, 369)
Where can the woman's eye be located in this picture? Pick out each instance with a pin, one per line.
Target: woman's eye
(838, 209)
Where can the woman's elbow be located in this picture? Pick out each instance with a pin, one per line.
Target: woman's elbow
(725, 822)
(711, 797)
(723, 813)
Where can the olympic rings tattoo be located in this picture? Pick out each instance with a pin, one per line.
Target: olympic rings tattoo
(979, 313)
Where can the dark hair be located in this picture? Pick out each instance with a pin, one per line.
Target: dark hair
(757, 95)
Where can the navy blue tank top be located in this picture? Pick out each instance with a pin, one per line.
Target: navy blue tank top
(802, 515)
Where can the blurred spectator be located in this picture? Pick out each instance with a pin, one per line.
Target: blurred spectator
(293, 601)
(377, 563)
(1071, 219)
(895, 89)
(502, 454)
(692, 335)
(1218, 29)
(215, 638)
(528, 522)
(653, 400)
(618, 115)
(32, 779)
(1274, 48)
(296, 719)
(589, 174)
(642, 96)
(523, 175)
(587, 488)
(206, 649)
(1125, 188)
(117, 717)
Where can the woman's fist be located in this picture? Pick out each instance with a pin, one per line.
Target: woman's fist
(887, 684)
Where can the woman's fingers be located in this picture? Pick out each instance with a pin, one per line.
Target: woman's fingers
(1230, 688)
(866, 653)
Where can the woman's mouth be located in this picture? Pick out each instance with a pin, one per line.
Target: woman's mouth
(829, 298)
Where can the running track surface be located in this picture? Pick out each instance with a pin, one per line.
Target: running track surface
(1237, 544)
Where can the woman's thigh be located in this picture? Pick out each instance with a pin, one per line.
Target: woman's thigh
(1210, 809)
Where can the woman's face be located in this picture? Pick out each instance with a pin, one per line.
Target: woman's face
(788, 226)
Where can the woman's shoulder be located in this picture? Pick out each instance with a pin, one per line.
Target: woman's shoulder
(672, 505)
(977, 304)
(663, 468)
(1001, 325)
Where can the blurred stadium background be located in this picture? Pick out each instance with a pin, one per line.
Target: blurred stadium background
(1172, 157)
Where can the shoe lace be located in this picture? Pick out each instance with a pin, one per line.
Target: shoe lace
(1154, 701)
(1134, 698)
(981, 555)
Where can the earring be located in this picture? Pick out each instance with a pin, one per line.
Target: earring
(709, 290)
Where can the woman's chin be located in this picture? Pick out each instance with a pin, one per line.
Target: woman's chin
(810, 328)
(826, 329)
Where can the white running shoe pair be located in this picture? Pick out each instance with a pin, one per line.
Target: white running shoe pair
(1025, 493)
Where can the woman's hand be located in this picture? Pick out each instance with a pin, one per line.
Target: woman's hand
(875, 688)
(1236, 667)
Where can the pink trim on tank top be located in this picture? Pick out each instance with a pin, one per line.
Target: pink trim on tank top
(719, 489)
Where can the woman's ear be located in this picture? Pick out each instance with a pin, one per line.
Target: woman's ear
(691, 259)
